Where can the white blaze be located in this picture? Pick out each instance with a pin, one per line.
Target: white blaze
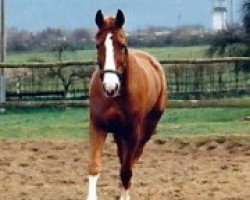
(92, 187)
(110, 80)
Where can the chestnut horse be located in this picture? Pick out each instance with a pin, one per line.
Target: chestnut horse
(127, 98)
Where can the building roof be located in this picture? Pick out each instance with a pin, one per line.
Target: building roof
(220, 9)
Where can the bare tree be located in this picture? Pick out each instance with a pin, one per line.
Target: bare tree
(68, 75)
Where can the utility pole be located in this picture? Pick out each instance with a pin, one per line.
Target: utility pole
(3, 55)
(232, 12)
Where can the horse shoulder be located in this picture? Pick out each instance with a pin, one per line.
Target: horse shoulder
(149, 64)
(149, 78)
(94, 85)
(146, 57)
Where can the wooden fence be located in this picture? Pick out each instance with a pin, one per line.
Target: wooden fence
(187, 79)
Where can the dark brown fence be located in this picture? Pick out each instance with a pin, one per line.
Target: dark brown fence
(187, 79)
(209, 79)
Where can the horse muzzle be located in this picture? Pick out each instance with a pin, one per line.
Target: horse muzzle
(111, 86)
(111, 91)
(111, 81)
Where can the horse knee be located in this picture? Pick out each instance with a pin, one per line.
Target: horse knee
(138, 153)
(126, 175)
(94, 168)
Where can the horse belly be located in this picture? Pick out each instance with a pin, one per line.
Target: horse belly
(152, 88)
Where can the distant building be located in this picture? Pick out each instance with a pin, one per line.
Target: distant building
(162, 33)
(219, 15)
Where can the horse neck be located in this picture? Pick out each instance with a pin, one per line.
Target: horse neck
(128, 70)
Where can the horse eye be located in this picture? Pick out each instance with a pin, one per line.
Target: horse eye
(122, 46)
(98, 47)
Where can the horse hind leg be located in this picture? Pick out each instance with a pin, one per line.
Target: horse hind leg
(149, 127)
(150, 124)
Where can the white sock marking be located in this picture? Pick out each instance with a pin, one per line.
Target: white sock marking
(92, 195)
(110, 80)
(125, 195)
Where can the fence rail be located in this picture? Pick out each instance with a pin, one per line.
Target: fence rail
(243, 103)
(187, 79)
(91, 63)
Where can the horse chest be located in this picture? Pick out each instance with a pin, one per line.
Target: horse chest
(111, 119)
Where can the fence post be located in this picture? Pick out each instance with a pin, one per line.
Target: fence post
(2, 89)
(236, 73)
(3, 55)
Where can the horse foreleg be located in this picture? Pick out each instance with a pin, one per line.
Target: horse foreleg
(97, 138)
(130, 145)
(126, 170)
(125, 195)
(121, 150)
(134, 150)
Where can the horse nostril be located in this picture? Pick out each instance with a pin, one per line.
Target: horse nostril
(104, 86)
(116, 87)
(110, 93)
(102, 76)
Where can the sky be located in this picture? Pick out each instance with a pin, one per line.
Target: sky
(35, 15)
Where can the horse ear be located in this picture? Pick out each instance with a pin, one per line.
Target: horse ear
(99, 19)
(120, 19)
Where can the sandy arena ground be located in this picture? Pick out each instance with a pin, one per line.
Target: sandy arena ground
(170, 169)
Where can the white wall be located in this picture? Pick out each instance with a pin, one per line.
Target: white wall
(219, 20)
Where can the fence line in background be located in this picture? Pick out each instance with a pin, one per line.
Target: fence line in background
(90, 63)
(187, 79)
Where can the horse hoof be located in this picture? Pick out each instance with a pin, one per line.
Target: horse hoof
(91, 198)
(125, 197)
(128, 198)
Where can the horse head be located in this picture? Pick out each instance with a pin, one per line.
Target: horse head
(111, 51)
